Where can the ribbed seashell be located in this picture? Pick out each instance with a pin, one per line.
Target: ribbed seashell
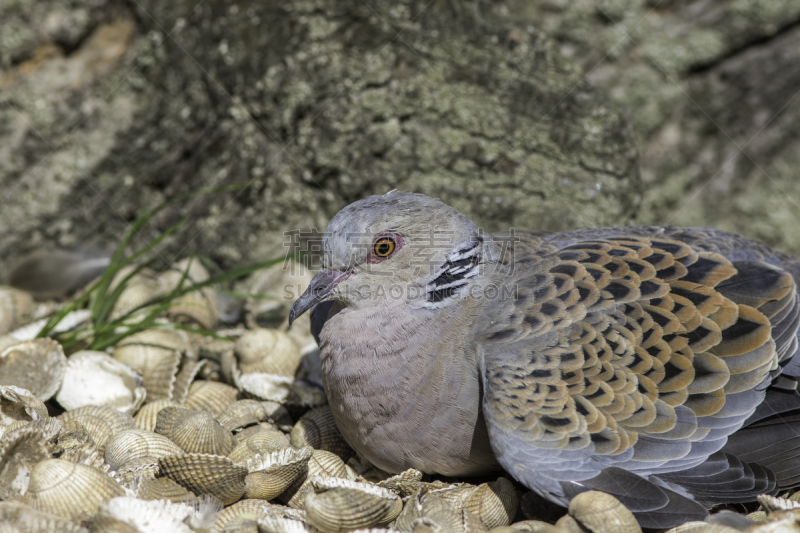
(163, 488)
(269, 351)
(323, 464)
(772, 503)
(16, 308)
(156, 353)
(141, 468)
(598, 512)
(194, 431)
(74, 439)
(273, 524)
(14, 425)
(147, 415)
(20, 450)
(99, 421)
(96, 378)
(269, 475)
(140, 288)
(210, 396)
(190, 369)
(318, 430)
(117, 420)
(277, 388)
(49, 427)
(132, 444)
(494, 503)
(435, 514)
(704, 527)
(262, 427)
(24, 518)
(241, 524)
(405, 483)
(71, 321)
(98, 430)
(758, 517)
(261, 443)
(529, 526)
(70, 490)
(199, 306)
(144, 514)
(242, 413)
(37, 365)
(17, 404)
(342, 505)
(250, 509)
(206, 474)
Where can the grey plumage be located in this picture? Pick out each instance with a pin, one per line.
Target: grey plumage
(626, 360)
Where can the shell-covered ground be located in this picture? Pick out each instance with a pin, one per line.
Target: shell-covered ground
(175, 429)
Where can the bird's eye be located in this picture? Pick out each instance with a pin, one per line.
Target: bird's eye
(384, 247)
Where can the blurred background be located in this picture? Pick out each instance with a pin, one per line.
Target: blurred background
(547, 114)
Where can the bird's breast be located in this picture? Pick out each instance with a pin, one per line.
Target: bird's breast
(405, 393)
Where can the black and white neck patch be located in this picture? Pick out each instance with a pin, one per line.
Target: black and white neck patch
(454, 274)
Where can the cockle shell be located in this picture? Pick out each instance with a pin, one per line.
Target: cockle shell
(342, 505)
(190, 369)
(148, 414)
(277, 388)
(269, 351)
(273, 524)
(194, 431)
(242, 413)
(598, 512)
(70, 490)
(48, 426)
(140, 288)
(210, 396)
(24, 518)
(494, 503)
(705, 527)
(529, 526)
(405, 483)
(90, 417)
(322, 464)
(95, 378)
(17, 404)
(206, 474)
(162, 488)
(772, 503)
(270, 475)
(436, 514)
(20, 450)
(16, 308)
(156, 353)
(198, 306)
(318, 430)
(136, 469)
(145, 515)
(251, 510)
(37, 365)
(261, 443)
(130, 444)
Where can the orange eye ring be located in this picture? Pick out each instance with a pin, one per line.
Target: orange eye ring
(384, 247)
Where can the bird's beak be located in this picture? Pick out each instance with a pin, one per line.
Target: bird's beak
(318, 290)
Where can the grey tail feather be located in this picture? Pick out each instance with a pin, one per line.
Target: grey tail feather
(57, 273)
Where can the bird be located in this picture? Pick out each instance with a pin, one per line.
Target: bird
(653, 363)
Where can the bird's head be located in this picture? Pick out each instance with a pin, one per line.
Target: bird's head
(399, 246)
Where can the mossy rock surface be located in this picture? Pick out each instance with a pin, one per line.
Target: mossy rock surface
(311, 104)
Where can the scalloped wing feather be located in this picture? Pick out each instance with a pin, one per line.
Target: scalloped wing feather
(632, 352)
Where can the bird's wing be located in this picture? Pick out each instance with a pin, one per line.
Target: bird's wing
(622, 363)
